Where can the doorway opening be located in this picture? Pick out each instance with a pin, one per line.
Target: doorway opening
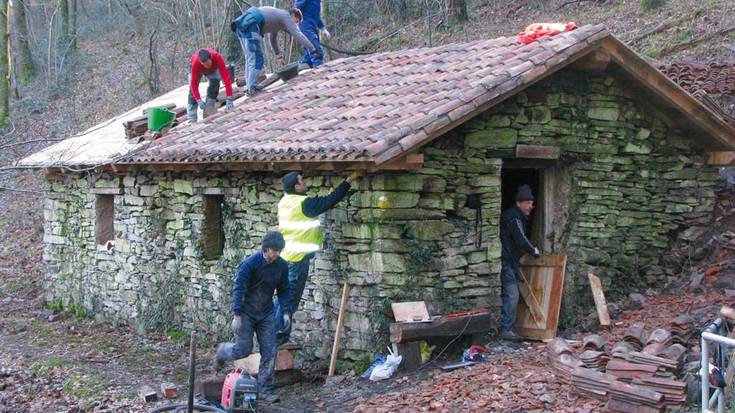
(512, 178)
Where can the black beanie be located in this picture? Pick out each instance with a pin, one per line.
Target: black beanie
(273, 240)
(289, 182)
(524, 194)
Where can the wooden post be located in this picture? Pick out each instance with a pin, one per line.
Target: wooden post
(599, 297)
(340, 320)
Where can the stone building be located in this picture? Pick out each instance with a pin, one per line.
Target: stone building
(618, 155)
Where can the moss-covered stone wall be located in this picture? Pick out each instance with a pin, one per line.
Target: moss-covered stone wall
(624, 189)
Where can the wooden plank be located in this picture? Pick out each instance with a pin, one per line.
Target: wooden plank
(338, 331)
(537, 151)
(533, 303)
(106, 191)
(546, 279)
(443, 327)
(410, 311)
(721, 158)
(599, 297)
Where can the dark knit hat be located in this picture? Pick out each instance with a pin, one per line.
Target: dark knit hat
(289, 182)
(524, 194)
(273, 240)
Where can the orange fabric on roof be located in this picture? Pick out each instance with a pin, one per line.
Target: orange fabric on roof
(535, 30)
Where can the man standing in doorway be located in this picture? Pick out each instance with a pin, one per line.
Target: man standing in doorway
(515, 243)
(298, 221)
(257, 278)
(209, 63)
(255, 23)
(312, 25)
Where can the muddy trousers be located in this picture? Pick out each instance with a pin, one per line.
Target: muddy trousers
(509, 295)
(264, 328)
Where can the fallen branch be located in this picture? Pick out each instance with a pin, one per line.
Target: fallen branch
(577, 2)
(658, 29)
(347, 52)
(686, 45)
(10, 145)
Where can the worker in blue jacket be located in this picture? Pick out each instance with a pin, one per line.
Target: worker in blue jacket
(257, 278)
(311, 26)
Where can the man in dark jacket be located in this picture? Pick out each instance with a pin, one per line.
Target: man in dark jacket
(298, 221)
(257, 278)
(515, 243)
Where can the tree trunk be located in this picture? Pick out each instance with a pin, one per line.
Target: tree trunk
(73, 24)
(64, 25)
(457, 10)
(5, 62)
(22, 42)
(325, 19)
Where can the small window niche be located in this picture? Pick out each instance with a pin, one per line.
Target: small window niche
(213, 235)
(105, 223)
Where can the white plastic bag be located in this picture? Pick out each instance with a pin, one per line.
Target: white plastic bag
(385, 370)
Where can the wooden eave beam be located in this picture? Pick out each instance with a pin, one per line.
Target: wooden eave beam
(722, 158)
(670, 92)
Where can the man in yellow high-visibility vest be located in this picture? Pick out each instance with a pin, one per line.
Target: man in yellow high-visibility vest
(298, 221)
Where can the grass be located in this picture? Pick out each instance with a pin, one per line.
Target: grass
(87, 388)
(44, 367)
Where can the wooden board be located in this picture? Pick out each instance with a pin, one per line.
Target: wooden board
(599, 297)
(442, 327)
(410, 311)
(545, 276)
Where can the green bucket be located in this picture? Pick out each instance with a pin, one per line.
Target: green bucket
(159, 118)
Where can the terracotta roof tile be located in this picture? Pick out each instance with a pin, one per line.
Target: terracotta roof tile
(373, 107)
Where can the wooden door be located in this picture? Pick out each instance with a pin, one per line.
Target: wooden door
(545, 283)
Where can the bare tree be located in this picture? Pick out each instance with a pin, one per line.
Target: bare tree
(5, 62)
(22, 42)
(457, 10)
(73, 24)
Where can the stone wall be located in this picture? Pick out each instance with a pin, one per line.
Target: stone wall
(624, 188)
(399, 236)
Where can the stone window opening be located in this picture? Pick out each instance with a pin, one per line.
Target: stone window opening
(212, 235)
(105, 222)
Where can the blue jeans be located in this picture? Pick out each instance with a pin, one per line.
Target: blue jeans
(214, 79)
(509, 294)
(265, 328)
(298, 274)
(252, 48)
(312, 33)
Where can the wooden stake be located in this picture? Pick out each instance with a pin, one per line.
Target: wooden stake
(599, 297)
(338, 331)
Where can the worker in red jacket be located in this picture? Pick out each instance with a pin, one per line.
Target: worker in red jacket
(209, 63)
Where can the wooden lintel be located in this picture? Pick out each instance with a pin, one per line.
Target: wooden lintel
(412, 161)
(722, 158)
(537, 152)
(598, 60)
(106, 191)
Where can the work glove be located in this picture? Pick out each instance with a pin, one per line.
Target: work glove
(286, 321)
(318, 54)
(324, 32)
(229, 105)
(236, 323)
(201, 104)
(536, 253)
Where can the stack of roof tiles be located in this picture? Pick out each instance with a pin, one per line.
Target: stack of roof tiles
(593, 352)
(636, 336)
(674, 391)
(592, 383)
(626, 398)
(682, 328)
(706, 83)
(562, 359)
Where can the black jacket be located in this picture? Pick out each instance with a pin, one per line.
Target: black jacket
(313, 206)
(255, 282)
(513, 228)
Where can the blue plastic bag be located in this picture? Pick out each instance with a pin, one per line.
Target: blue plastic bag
(378, 361)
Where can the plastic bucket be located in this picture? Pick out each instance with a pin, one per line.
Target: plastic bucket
(159, 118)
